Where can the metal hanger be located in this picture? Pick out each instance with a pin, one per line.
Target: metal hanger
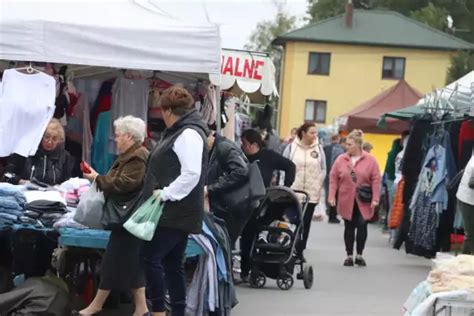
(30, 69)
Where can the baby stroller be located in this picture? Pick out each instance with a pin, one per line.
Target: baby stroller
(274, 249)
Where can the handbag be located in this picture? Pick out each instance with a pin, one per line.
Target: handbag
(117, 212)
(252, 190)
(364, 192)
(90, 208)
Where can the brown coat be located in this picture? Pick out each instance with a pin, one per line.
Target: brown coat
(125, 178)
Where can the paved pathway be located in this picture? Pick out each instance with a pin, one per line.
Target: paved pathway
(379, 289)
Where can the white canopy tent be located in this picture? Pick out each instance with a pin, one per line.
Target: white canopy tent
(457, 97)
(132, 34)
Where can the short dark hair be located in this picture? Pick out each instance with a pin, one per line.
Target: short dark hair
(336, 138)
(304, 129)
(253, 137)
(176, 99)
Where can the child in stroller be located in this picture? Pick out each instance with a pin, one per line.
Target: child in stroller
(279, 231)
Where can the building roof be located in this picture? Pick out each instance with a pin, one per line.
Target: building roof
(379, 28)
(366, 115)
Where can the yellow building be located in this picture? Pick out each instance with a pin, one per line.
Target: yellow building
(332, 66)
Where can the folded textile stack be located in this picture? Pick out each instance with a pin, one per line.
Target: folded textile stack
(452, 279)
(12, 203)
(67, 221)
(74, 188)
(453, 274)
(43, 212)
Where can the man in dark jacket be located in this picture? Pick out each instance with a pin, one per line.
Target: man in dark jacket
(332, 151)
(227, 170)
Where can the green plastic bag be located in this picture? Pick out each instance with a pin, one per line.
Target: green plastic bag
(143, 222)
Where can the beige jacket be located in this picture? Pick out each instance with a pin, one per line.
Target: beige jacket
(310, 164)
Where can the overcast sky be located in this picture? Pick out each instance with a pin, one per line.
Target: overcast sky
(238, 18)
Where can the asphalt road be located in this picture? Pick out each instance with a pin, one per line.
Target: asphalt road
(378, 289)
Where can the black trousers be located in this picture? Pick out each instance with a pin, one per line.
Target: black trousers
(356, 226)
(164, 259)
(246, 244)
(307, 220)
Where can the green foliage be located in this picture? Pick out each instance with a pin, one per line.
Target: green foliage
(461, 64)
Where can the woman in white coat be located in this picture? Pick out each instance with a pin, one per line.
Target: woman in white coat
(308, 155)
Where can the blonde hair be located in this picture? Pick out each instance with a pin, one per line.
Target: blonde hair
(56, 126)
(131, 125)
(357, 136)
(367, 146)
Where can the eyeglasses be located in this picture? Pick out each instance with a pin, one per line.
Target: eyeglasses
(51, 139)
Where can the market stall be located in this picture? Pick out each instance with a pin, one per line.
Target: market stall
(89, 65)
(247, 80)
(424, 212)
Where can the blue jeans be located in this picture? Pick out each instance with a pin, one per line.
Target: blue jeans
(164, 257)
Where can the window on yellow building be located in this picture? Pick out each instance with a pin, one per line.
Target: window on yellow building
(319, 63)
(315, 111)
(393, 68)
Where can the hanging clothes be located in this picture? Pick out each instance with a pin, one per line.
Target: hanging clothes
(208, 108)
(78, 128)
(129, 97)
(26, 107)
(398, 207)
(466, 142)
(229, 130)
(414, 153)
(102, 160)
(429, 201)
(423, 227)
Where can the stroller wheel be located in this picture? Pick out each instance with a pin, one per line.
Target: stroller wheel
(308, 277)
(285, 282)
(257, 279)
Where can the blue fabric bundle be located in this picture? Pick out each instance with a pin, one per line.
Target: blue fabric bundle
(12, 203)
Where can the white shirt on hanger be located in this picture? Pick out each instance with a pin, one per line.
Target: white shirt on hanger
(26, 107)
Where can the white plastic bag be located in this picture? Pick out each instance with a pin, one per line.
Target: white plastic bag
(90, 208)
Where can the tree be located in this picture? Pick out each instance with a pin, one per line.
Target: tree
(266, 31)
(433, 16)
(261, 39)
(461, 64)
(322, 9)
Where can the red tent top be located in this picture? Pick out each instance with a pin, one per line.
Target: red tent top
(366, 115)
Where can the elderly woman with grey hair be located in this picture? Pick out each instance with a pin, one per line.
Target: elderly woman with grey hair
(121, 266)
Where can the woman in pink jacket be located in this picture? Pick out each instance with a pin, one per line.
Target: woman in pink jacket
(351, 171)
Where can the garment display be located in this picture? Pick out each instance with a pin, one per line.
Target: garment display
(205, 281)
(398, 207)
(102, 160)
(229, 130)
(129, 97)
(78, 126)
(26, 107)
(12, 203)
(208, 108)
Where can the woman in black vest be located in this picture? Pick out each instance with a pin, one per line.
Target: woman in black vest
(176, 171)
